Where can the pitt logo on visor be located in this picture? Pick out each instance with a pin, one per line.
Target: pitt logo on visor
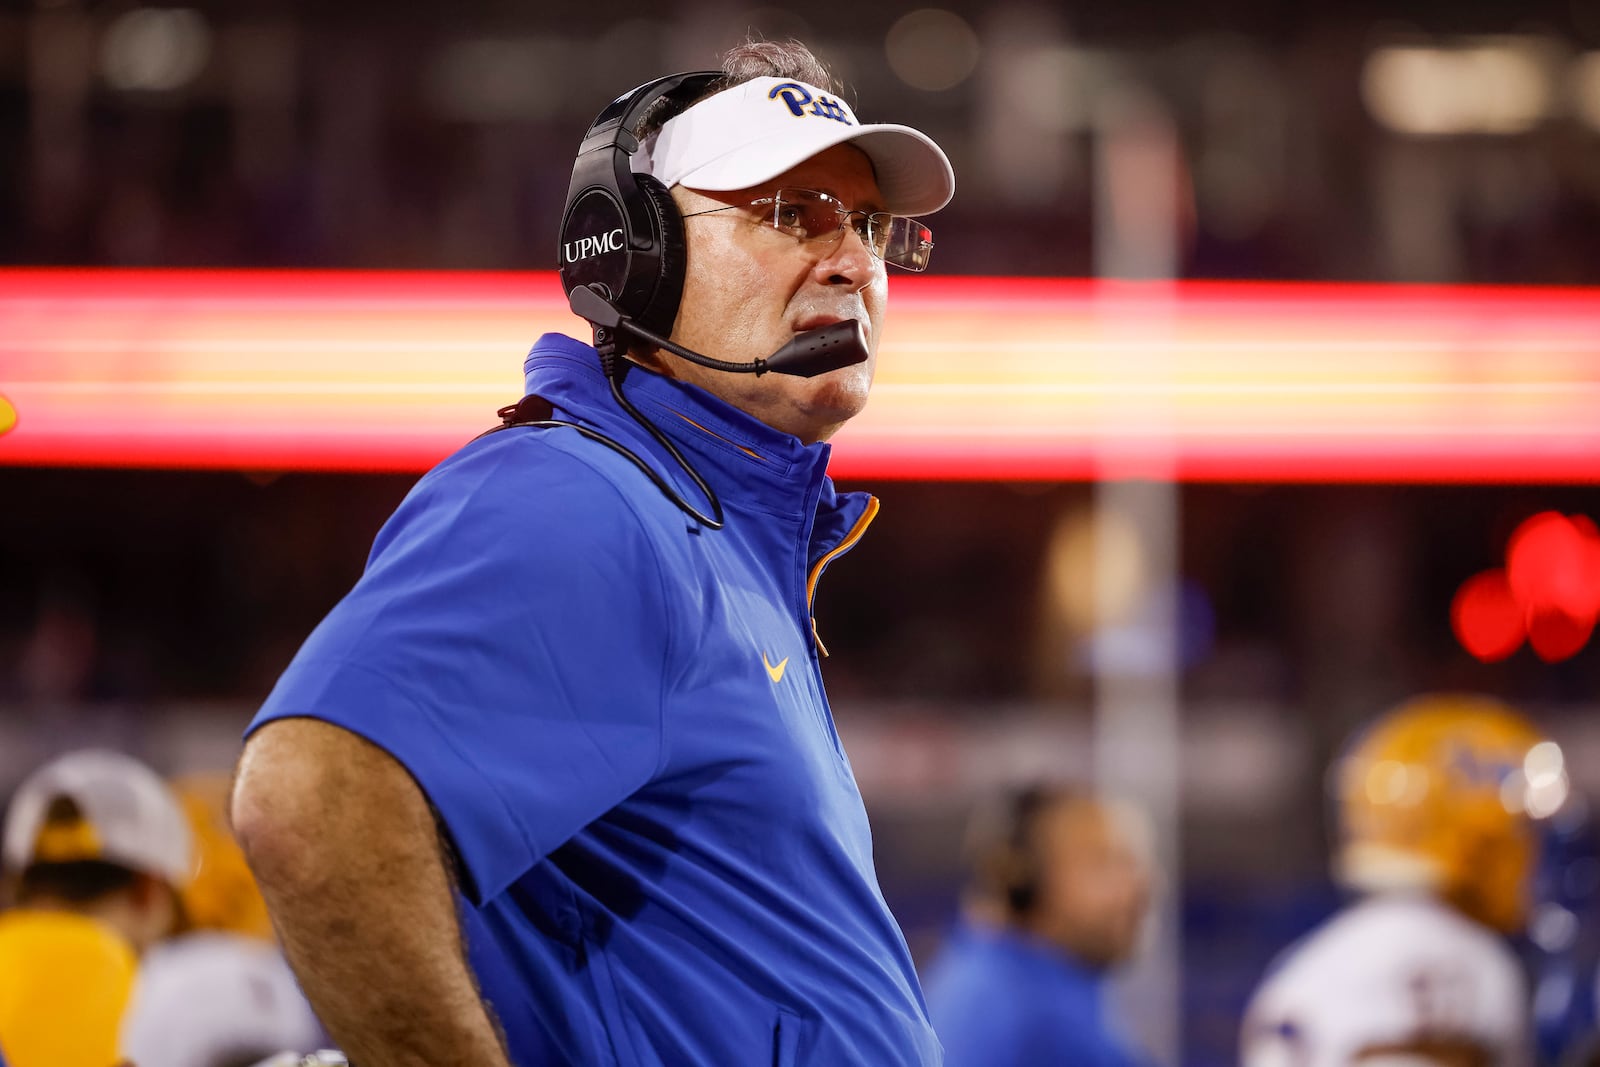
(797, 96)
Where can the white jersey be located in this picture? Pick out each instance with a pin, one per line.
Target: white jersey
(1391, 972)
(209, 999)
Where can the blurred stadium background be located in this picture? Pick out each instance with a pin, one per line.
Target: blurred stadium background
(1021, 607)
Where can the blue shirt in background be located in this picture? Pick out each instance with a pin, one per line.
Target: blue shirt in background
(999, 998)
(620, 718)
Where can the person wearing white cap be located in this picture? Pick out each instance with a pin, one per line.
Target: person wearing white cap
(219, 993)
(95, 852)
(557, 781)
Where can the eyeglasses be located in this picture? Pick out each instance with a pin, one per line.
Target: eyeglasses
(808, 215)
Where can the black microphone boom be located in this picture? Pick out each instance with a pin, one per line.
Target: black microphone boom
(839, 344)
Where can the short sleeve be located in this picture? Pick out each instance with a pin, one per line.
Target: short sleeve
(507, 644)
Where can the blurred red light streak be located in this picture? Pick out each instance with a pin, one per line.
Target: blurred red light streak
(978, 378)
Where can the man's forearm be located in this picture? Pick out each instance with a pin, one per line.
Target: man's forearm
(344, 847)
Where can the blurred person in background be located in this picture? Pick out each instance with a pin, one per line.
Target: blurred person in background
(1439, 806)
(1563, 943)
(557, 782)
(1059, 895)
(96, 852)
(219, 994)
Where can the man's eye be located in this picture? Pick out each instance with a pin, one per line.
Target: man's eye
(791, 217)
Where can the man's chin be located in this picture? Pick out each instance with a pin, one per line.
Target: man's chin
(843, 391)
(833, 405)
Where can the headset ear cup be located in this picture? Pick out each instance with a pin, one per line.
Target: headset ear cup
(1022, 887)
(660, 309)
(1022, 849)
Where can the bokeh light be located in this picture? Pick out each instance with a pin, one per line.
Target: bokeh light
(1096, 569)
(1548, 593)
(1500, 86)
(1487, 618)
(1555, 635)
(1554, 562)
(1545, 769)
(1584, 88)
(932, 49)
(155, 49)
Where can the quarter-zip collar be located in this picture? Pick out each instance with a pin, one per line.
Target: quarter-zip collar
(750, 465)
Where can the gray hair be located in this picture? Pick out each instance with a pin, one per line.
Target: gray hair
(755, 58)
(774, 59)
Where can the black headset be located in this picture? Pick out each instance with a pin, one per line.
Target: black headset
(1018, 875)
(622, 261)
(621, 232)
(1002, 848)
(622, 248)
(622, 253)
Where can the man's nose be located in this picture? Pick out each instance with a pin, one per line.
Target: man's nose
(848, 260)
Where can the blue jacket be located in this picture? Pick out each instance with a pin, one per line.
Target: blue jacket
(621, 720)
(1000, 998)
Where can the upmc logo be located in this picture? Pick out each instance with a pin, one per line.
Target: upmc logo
(797, 96)
(584, 247)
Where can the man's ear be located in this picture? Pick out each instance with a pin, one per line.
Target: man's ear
(143, 889)
(150, 892)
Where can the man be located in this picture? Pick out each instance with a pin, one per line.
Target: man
(566, 722)
(1438, 804)
(218, 994)
(95, 852)
(1059, 895)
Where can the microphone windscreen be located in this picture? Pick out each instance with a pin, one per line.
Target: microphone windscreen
(839, 344)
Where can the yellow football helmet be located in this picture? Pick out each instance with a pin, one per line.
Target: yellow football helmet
(222, 894)
(1445, 793)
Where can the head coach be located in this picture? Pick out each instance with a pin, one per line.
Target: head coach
(557, 782)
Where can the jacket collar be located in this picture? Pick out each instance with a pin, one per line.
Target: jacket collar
(747, 462)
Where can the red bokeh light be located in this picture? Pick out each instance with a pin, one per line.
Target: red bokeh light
(1553, 563)
(1548, 593)
(1486, 617)
(1555, 635)
(1589, 562)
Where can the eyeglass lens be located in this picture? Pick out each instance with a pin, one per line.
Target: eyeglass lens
(895, 239)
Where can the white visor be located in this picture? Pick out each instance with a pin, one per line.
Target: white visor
(757, 130)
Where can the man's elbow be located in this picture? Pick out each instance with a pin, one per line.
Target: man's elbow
(280, 803)
(312, 799)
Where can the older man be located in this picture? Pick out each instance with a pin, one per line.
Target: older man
(573, 714)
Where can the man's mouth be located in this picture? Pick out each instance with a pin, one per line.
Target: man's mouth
(817, 322)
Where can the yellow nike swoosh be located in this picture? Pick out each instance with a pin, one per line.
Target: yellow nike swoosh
(775, 672)
(8, 415)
